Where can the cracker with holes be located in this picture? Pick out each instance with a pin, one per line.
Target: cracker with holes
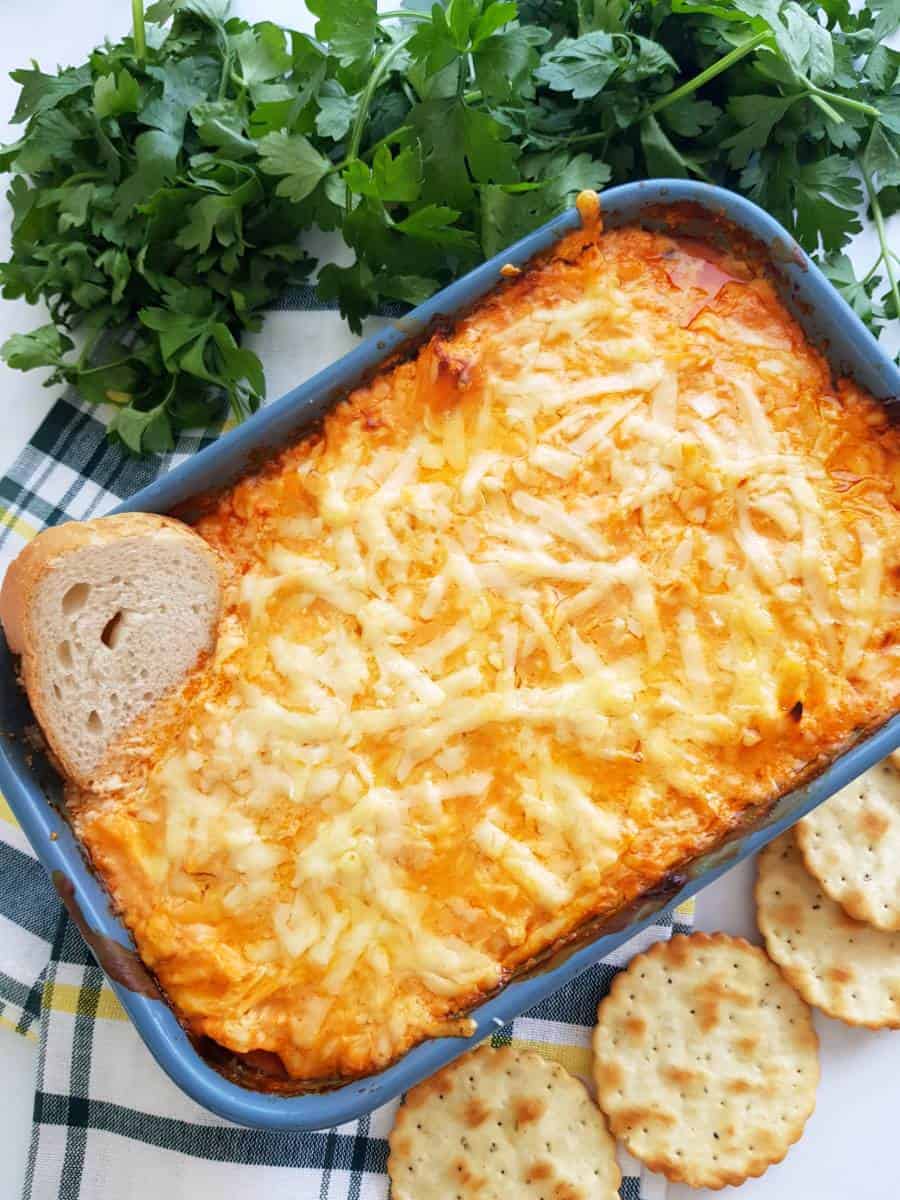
(705, 1059)
(852, 846)
(845, 967)
(497, 1124)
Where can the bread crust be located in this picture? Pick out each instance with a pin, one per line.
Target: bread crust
(39, 557)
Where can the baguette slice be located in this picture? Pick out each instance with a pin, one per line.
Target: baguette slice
(108, 616)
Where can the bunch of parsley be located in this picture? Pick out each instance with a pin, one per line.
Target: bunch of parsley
(161, 190)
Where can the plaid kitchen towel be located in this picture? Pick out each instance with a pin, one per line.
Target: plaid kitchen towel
(108, 1124)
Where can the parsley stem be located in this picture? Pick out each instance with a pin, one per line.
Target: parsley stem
(583, 139)
(227, 60)
(722, 64)
(104, 366)
(878, 217)
(140, 33)
(461, 79)
(395, 135)
(848, 102)
(686, 89)
(378, 73)
(402, 14)
(874, 267)
(877, 263)
(830, 113)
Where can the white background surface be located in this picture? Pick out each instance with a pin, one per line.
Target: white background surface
(848, 1145)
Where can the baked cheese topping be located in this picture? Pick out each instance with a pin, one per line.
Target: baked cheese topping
(530, 623)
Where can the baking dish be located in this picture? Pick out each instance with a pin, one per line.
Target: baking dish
(827, 322)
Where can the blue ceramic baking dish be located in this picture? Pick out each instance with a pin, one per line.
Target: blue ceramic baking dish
(28, 784)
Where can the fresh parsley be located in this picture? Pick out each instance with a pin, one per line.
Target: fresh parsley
(161, 191)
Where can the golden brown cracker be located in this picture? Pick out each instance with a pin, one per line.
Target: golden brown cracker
(501, 1123)
(705, 1060)
(851, 844)
(845, 967)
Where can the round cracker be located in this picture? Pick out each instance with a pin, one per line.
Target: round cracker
(852, 846)
(845, 967)
(706, 1060)
(501, 1123)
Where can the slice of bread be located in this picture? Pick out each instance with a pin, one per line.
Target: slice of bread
(108, 616)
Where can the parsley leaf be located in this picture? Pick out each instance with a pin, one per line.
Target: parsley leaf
(44, 347)
(294, 157)
(757, 116)
(690, 116)
(262, 53)
(336, 111)
(116, 94)
(889, 112)
(348, 26)
(352, 288)
(144, 432)
(434, 44)
(663, 157)
(882, 68)
(505, 63)
(806, 44)
(827, 196)
(41, 92)
(582, 66)
(220, 123)
(434, 223)
(391, 179)
(53, 141)
(838, 269)
(882, 156)
(182, 86)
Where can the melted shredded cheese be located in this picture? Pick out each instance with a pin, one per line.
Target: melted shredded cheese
(529, 624)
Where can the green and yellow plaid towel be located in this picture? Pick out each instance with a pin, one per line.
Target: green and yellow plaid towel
(108, 1124)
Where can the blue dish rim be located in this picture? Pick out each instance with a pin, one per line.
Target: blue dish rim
(850, 348)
